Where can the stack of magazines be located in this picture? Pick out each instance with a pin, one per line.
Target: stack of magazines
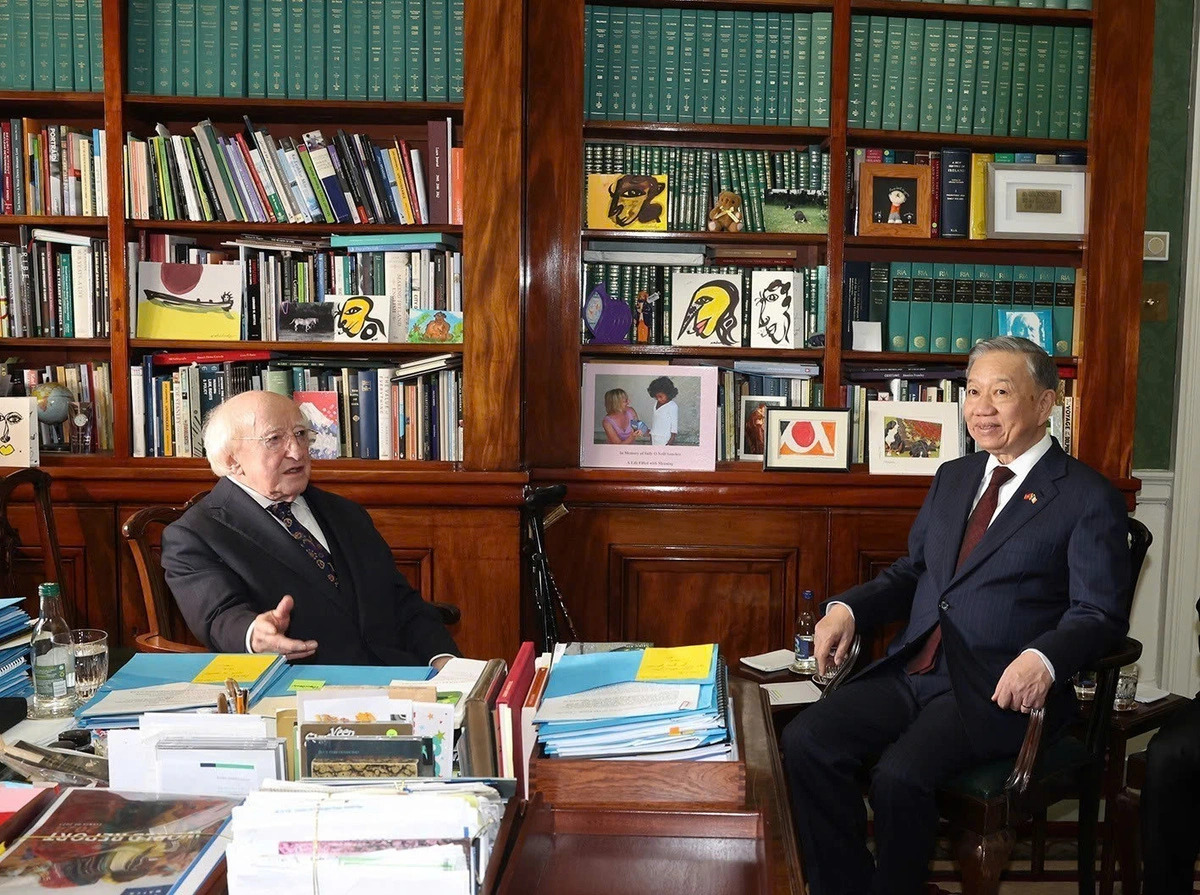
(14, 649)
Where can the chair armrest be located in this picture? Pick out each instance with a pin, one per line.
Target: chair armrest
(1127, 653)
(1031, 747)
(156, 643)
(448, 613)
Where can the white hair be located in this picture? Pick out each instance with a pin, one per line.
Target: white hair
(227, 422)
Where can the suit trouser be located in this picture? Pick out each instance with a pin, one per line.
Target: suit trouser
(1169, 810)
(911, 722)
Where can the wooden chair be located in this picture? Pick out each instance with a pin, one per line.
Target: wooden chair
(10, 540)
(162, 614)
(985, 804)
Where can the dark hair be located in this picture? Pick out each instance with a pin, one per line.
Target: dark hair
(1042, 368)
(665, 385)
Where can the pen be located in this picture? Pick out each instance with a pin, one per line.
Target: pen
(222, 704)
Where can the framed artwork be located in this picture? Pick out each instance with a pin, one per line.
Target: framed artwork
(752, 415)
(776, 309)
(648, 416)
(627, 201)
(706, 309)
(807, 438)
(894, 200)
(1036, 201)
(911, 437)
(1037, 326)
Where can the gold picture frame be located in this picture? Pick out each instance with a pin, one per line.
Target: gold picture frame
(894, 201)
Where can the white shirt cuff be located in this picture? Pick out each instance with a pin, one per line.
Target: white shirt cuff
(249, 632)
(833, 603)
(1045, 661)
(440, 656)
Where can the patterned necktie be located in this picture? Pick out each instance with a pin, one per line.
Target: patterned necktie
(283, 512)
(977, 525)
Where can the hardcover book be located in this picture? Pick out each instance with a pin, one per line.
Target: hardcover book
(321, 411)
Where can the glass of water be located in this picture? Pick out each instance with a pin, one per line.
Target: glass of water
(91, 660)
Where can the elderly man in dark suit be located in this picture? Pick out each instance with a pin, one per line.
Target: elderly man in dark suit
(268, 563)
(1016, 567)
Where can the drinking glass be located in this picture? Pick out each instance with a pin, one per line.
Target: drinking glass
(91, 659)
(1126, 690)
(1085, 686)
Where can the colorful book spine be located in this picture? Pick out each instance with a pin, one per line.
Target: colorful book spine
(977, 218)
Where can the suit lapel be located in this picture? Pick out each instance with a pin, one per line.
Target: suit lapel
(957, 509)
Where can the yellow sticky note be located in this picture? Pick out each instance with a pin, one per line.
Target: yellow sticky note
(676, 663)
(306, 685)
(242, 667)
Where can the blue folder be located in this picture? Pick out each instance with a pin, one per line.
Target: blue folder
(346, 676)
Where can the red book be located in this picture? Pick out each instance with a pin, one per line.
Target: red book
(6, 162)
(507, 716)
(177, 358)
(411, 180)
(456, 185)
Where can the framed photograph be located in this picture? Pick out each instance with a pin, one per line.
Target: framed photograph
(911, 437)
(627, 201)
(752, 415)
(894, 200)
(807, 438)
(1036, 201)
(648, 416)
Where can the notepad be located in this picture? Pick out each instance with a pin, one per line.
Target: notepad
(239, 666)
(677, 663)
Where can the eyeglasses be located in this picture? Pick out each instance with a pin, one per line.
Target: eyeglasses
(278, 441)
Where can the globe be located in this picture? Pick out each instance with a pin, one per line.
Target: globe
(53, 402)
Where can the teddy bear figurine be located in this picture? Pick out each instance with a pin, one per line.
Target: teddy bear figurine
(727, 213)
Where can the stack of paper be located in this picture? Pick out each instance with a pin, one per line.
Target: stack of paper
(172, 682)
(14, 649)
(344, 839)
(637, 704)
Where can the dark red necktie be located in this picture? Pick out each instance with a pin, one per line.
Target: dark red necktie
(283, 512)
(977, 525)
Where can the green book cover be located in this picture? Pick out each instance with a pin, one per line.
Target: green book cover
(706, 58)
(64, 63)
(1004, 158)
(877, 27)
(985, 77)
(940, 327)
(1002, 288)
(335, 49)
(139, 70)
(983, 313)
(1064, 311)
(1022, 290)
(772, 85)
(437, 55)
(66, 293)
(189, 146)
(81, 46)
(376, 44)
(209, 54)
(1002, 101)
(910, 91)
(635, 38)
(1018, 119)
(686, 101)
(414, 53)
(317, 187)
(856, 100)
(233, 62)
(587, 58)
(931, 76)
(1081, 65)
(920, 314)
(668, 59)
(898, 322)
(967, 70)
(96, 46)
(185, 48)
(820, 68)
(1054, 4)
(1079, 4)
(743, 28)
(801, 65)
(723, 68)
(6, 46)
(357, 49)
(456, 37)
(315, 14)
(651, 61)
(951, 65)
(164, 45)
(276, 49)
(1060, 83)
(597, 90)
(893, 80)
(758, 67)
(964, 299)
(1040, 65)
(615, 92)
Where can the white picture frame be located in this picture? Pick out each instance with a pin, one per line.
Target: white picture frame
(754, 446)
(912, 437)
(1036, 201)
(814, 438)
(695, 415)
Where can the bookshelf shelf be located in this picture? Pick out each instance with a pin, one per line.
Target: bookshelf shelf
(968, 246)
(980, 142)
(890, 358)
(267, 230)
(44, 220)
(963, 11)
(802, 355)
(297, 348)
(776, 5)
(714, 135)
(714, 239)
(153, 108)
(41, 102)
(88, 345)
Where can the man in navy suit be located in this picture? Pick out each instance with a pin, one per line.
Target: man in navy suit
(268, 563)
(1015, 579)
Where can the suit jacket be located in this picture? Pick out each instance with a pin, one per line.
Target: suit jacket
(227, 559)
(1051, 573)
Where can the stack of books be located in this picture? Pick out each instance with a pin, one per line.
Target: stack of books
(14, 649)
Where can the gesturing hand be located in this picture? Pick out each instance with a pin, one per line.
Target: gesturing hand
(268, 633)
(833, 635)
(1024, 684)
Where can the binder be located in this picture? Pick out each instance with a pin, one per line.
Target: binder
(477, 743)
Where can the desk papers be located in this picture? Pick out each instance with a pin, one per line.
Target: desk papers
(792, 692)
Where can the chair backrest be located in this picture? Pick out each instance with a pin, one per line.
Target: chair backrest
(10, 539)
(1140, 540)
(142, 532)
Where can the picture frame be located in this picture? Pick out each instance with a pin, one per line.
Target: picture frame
(1036, 201)
(623, 443)
(895, 200)
(752, 424)
(815, 438)
(912, 437)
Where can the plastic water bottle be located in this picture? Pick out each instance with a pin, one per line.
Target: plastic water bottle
(51, 658)
(806, 658)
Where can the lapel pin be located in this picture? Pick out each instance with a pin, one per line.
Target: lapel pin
(1031, 497)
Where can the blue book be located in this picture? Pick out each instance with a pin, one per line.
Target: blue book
(368, 414)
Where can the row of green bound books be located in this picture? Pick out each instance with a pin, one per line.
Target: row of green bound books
(1023, 4)
(51, 45)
